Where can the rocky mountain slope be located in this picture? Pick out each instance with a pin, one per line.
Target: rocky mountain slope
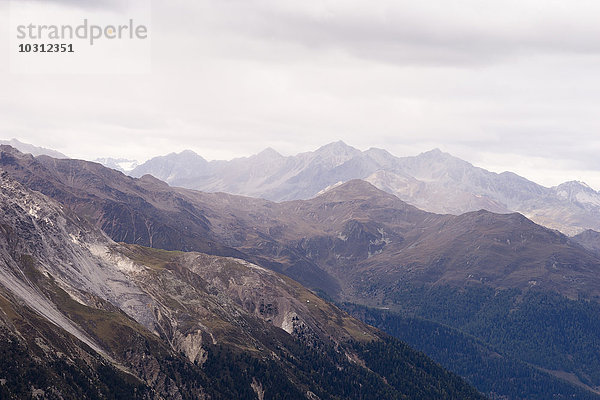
(433, 181)
(89, 318)
(357, 243)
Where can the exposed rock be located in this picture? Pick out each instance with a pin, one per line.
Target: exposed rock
(258, 389)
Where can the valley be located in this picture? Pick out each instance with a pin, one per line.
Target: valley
(488, 281)
(90, 317)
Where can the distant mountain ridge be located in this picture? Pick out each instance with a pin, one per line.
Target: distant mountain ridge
(31, 149)
(433, 181)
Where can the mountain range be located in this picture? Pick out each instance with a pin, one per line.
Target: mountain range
(433, 181)
(31, 149)
(337, 242)
(499, 285)
(84, 317)
(358, 244)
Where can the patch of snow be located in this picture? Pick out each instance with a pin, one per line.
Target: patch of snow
(128, 165)
(587, 198)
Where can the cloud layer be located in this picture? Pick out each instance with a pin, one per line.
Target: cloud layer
(485, 80)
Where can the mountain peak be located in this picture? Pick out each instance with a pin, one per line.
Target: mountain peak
(31, 149)
(575, 185)
(189, 153)
(337, 148)
(269, 153)
(435, 153)
(578, 192)
(147, 178)
(171, 167)
(184, 156)
(12, 152)
(377, 150)
(7, 148)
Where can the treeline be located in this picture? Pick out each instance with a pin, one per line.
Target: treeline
(492, 338)
(394, 371)
(24, 374)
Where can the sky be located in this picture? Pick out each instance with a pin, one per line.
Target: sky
(511, 85)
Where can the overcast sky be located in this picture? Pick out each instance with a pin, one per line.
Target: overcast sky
(505, 85)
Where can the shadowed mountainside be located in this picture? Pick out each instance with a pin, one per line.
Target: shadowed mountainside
(84, 317)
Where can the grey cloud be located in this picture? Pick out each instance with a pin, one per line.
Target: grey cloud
(406, 32)
(231, 77)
